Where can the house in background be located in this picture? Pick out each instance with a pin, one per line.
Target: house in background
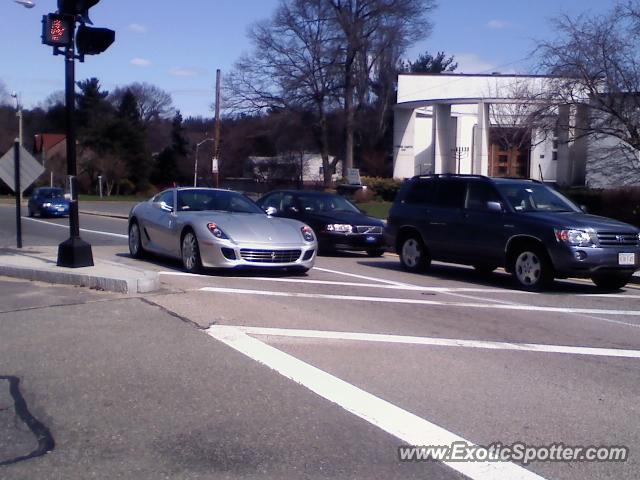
(461, 123)
(51, 150)
(288, 168)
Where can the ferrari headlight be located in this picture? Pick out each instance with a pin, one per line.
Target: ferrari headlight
(577, 238)
(216, 231)
(339, 227)
(307, 233)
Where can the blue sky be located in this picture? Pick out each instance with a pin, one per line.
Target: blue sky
(179, 48)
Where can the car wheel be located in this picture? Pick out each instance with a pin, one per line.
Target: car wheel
(531, 269)
(611, 281)
(413, 254)
(191, 253)
(375, 253)
(484, 269)
(135, 240)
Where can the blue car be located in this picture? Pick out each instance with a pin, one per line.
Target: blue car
(48, 202)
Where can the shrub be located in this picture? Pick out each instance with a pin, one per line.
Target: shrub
(620, 203)
(384, 188)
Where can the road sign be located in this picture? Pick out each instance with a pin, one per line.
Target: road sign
(353, 176)
(30, 169)
(214, 165)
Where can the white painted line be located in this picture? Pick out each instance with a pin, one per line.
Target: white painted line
(607, 295)
(400, 423)
(363, 277)
(440, 342)
(117, 235)
(415, 288)
(532, 308)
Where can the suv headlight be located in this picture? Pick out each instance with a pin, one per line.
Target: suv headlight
(46, 205)
(307, 233)
(338, 227)
(577, 238)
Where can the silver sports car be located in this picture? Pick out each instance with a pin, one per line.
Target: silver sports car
(207, 227)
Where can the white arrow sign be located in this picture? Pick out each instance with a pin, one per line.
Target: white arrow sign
(30, 169)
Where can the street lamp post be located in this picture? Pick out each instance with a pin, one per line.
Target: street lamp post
(19, 115)
(195, 167)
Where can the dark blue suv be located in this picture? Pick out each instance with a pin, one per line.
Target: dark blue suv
(525, 226)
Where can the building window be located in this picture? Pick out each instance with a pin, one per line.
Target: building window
(554, 155)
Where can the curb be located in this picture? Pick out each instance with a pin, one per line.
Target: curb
(102, 214)
(149, 282)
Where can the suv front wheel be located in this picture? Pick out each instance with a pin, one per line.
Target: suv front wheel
(413, 254)
(531, 268)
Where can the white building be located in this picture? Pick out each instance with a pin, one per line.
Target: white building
(288, 167)
(448, 123)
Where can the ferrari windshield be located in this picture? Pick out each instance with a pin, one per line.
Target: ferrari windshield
(535, 197)
(198, 200)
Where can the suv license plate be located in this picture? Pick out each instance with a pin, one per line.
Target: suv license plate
(626, 259)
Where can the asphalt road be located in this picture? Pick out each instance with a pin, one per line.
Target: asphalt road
(250, 375)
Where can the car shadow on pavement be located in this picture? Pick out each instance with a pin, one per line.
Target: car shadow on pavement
(175, 265)
(496, 279)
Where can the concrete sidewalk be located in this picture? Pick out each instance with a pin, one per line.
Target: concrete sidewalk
(39, 263)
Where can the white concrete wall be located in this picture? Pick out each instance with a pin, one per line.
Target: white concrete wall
(415, 87)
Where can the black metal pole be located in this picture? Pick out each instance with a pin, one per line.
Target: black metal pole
(73, 252)
(16, 158)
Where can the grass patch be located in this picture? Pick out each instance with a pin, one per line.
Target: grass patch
(376, 209)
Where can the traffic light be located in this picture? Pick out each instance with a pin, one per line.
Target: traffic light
(57, 30)
(77, 7)
(92, 41)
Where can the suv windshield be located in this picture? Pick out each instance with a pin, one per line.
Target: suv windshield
(199, 200)
(534, 197)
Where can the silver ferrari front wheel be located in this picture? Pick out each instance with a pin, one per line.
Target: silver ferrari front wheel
(191, 253)
(135, 240)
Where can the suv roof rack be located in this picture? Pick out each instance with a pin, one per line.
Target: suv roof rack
(450, 175)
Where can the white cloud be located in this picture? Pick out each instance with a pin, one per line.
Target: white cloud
(498, 24)
(187, 71)
(137, 28)
(140, 62)
(472, 63)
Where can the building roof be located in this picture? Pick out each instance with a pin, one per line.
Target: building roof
(48, 141)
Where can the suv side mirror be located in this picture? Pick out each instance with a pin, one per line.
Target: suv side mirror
(495, 207)
(271, 210)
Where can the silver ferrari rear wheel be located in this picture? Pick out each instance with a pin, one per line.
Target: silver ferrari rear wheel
(191, 253)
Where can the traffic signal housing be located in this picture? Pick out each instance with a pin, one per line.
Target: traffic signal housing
(57, 30)
(92, 41)
(77, 7)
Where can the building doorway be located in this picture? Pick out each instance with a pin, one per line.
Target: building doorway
(509, 152)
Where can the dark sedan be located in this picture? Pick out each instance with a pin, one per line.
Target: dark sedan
(338, 223)
(48, 202)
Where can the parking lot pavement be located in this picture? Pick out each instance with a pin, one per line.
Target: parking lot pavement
(358, 343)
(464, 353)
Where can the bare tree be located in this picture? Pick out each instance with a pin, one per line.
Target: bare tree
(369, 29)
(293, 66)
(153, 102)
(597, 61)
(4, 93)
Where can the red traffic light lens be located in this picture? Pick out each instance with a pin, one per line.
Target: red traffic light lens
(57, 30)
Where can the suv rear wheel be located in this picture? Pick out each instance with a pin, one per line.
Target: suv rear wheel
(611, 281)
(531, 268)
(413, 254)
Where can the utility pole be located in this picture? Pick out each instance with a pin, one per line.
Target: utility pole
(215, 166)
